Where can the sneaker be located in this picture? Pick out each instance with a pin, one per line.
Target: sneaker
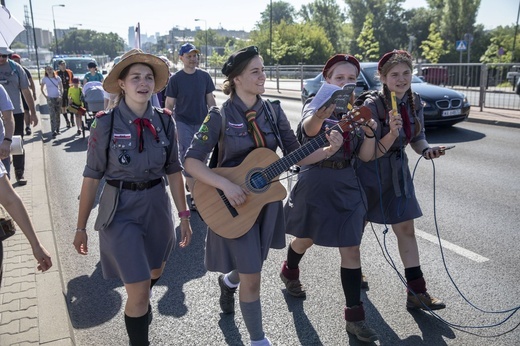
(362, 331)
(364, 282)
(423, 301)
(28, 131)
(227, 296)
(20, 178)
(293, 287)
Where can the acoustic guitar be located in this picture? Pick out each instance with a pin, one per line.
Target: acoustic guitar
(258, 174)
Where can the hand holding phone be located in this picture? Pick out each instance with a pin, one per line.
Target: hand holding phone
(443, 149)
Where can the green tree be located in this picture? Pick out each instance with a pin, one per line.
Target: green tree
(501, 37)
(91, 42)
(369, 47)
(390, 27)
(294, 43)
(282, 11)
(458, 18)
(432, 47)
(328, 15)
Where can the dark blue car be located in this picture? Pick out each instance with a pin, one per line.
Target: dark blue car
(442, 106)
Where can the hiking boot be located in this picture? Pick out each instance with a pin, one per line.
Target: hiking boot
(362, 331)
(20, 178)
(28, 131)
(364, 282)
(423, 301)
(290, 277)
(356, 325)
(227, 296)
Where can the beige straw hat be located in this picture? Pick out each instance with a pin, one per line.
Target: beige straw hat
(160, 70)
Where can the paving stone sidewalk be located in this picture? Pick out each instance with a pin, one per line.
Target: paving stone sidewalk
(32, 304)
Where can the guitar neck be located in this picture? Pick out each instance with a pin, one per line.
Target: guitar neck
(282, 165)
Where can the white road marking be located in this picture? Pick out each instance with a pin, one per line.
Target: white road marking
(455, 248)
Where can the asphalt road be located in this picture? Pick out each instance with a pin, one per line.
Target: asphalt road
(469, 197)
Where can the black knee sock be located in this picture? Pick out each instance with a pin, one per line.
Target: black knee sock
(293, 258)
(351, 283)
(137, 329)
(413, 273)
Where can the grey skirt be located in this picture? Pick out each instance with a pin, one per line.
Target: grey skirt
(248, 252)
(328, 206)
(389, 189)
(140, 237)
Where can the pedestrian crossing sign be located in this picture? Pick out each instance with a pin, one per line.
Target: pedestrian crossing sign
(461, 46)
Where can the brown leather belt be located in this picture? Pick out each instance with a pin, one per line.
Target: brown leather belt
(134, 186)
(334, 164)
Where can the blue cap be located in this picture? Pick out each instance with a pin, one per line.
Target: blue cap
(187, 48)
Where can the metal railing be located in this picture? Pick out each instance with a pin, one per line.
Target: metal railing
(485, 85)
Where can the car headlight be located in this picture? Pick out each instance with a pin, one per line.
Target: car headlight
(426, 104)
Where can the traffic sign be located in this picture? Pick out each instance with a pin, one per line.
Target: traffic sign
(461, 46)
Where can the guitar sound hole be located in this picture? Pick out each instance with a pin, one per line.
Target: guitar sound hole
(258, 181)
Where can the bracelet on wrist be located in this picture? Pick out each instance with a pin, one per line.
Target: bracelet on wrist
(184, 214)
(367, 136)
(8, 139)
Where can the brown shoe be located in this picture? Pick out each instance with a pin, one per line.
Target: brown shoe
(293, 286)
(362, 331)
(423, 301)
(356, 324)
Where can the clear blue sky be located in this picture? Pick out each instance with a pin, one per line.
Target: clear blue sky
(162, 15)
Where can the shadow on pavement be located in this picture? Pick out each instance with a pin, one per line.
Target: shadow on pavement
(92, 300)
(433, 330)
(183, 266)
(306, 332)
(452, 134)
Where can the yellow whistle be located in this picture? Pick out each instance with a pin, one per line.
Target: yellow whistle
(394, 103)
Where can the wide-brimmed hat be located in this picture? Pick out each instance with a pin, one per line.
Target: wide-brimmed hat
(5, 51)
(159, 67)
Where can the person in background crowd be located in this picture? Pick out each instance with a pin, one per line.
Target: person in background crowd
(189, 95)
(54, 87)
(326, 207)
(93, 75)
(134, 147)
(246, 128)
(66, 76)
(75, 99)
(14, 80)
(387, 182)
(32, 86)
(9, 199)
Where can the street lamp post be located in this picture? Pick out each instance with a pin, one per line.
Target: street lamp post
(55, 32)
(206, 48)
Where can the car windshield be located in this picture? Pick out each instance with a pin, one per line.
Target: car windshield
(371, 76)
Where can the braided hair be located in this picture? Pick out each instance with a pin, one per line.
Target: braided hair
(386, 63)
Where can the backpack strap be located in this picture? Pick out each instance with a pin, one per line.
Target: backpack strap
(168, 112)
(272, 117)
(217, 150)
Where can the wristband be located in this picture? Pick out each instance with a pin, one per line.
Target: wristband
(184, 214)
(8, 139)
(367, 136)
